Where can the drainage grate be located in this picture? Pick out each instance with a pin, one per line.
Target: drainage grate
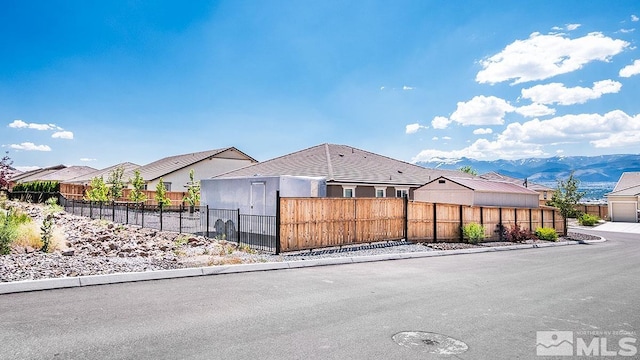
(429, 342)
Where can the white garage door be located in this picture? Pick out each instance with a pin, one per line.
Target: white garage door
(623, 212)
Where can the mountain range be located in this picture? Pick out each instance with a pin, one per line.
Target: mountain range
(589, 169)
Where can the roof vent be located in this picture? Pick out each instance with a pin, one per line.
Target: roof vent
(341, 155)
(399, 172)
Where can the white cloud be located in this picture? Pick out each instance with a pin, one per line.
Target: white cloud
(440, 122)
(29, 146)
(62, 135)
(557, 93)
(407, 87)
(482, 131)
(634, 18)
(543, 56)
(482, 110)
(381, 87)
(413, 128)
(446, 138)
(572, 27)
(434, 138)
(19, 124)
(87, 159)
(630, 70)
(531, 138)
(535, 110)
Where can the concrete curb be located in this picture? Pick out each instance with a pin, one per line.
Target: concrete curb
(68, 282)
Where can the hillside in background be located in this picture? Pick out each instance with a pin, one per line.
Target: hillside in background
(597, 174)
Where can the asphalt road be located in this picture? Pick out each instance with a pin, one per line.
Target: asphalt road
(494, 303)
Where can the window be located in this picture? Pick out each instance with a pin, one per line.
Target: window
(544, 194)
(348, 192)
(401, 193)
(381, 192)
(167, 186)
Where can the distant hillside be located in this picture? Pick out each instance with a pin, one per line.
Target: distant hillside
(605, 168)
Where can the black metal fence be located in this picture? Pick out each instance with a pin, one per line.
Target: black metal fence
(255, 231)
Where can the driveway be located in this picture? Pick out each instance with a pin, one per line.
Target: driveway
(621, 227)
(487, 305)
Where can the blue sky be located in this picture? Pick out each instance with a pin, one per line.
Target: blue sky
(97, 83)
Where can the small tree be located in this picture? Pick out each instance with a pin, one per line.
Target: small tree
(116, 185)
(468, 169)
(98, 191)
(566, 197)
(5, 171)
(193, 190)
(161, 195)
(137, 195)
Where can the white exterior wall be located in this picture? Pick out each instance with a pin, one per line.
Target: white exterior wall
(447, 193)
(203, 170)
(623, 208)
(506, 199)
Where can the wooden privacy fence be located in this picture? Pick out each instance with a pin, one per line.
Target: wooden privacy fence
(599, 210)
(77, 192)
(308, 223)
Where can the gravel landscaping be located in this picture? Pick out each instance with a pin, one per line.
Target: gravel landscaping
(92, 247)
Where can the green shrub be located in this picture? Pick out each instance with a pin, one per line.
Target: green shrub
(8, 232)
(588, 220)
(546, 233)
(473, 233)
(517, 234)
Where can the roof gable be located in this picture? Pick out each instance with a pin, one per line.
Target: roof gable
(628, 185)
(104, 173)
(167, 165)
(343, 164)
(484, 185)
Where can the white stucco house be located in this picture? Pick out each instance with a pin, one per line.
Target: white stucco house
(624, 200)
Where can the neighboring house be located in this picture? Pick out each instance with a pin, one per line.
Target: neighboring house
(545, 193)
(624, 200)
(174, 170)
(85, 179)
(349, 172)
(476, 192)
(58, 173)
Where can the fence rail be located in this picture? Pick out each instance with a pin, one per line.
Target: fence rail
(311, 223)
(308, 223)
(254, 231)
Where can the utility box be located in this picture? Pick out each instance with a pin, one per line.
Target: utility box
(256, 195)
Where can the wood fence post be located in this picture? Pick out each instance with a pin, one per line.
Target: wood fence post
(278, 219)
(435, 224)
(530, 219)
(461, 236)
(500, 225)
(406, 217)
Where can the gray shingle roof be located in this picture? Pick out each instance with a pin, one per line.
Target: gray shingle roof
(104, 173)
(499, 177)
(344, 164)
(34, 175)
(628, 185)
(484, 185)
(58, 174)
(162, 167)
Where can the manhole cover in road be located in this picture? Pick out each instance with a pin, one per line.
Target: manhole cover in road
(430, 342)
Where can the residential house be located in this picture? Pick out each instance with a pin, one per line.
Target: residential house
(174, 170)
(545, 193)
(85, 179)
(60, 173)
(349, 172)
(624, 201)
(476, 192)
